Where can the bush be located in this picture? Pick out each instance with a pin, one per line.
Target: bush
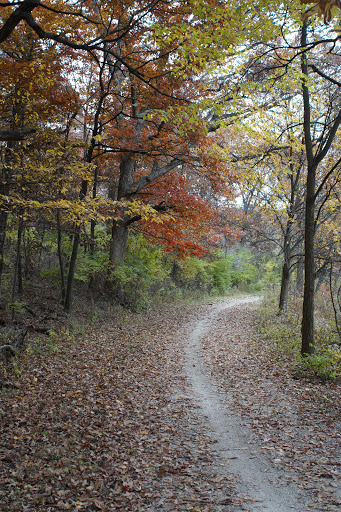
(324, 365)
(141, 280)
(222, 275)
(250, 272)
(270, 274)
(148, 274)
(282, 333)
(193, 274)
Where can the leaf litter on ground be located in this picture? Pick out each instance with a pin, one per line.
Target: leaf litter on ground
(296, 421)
(100, 425)
(96, 426)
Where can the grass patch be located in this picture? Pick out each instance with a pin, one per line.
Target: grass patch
(282, 334)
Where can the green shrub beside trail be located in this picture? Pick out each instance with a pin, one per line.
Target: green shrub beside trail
(149, 275)
(282, 334)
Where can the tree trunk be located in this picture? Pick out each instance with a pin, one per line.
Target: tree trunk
(118, 247)
(3, 226)
(313, 160)
(17, 266)
(307, 328)
(72, 268)
(336, 306)
(118, 242)
(73, 259)
(60, 258)
(19, 262)
(120, 229)
(4, 190)
(285, 282)
(82, 195)
(309, 267)
(93, 223)
(92, 281)
(299, 275)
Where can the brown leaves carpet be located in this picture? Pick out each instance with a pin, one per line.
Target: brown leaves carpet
(100, 424)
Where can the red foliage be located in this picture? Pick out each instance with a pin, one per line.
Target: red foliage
(193, 226)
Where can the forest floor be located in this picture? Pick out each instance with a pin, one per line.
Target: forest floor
(178, 409)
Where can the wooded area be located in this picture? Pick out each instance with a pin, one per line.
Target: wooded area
(157, 158)
(167, 131)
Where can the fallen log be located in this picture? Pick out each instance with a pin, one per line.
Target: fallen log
(11, 349)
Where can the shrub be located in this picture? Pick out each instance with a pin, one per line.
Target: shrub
(140, 280)
(222, 275)
(281, 332)
(194, 274)
(324, 365)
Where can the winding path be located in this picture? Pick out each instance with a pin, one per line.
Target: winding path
(263, 486)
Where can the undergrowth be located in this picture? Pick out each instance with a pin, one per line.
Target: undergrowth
(282, 334)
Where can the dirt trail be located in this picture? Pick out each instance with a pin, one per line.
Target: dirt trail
(263, 486)
(177, 409)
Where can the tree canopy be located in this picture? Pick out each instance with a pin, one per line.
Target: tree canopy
(151, 117)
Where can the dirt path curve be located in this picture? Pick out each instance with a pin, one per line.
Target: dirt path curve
(178, 409)
(263, 486)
